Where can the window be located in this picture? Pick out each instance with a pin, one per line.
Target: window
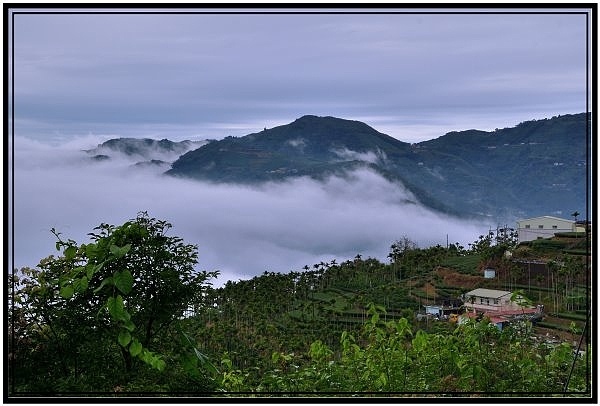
(481, 300)
(527, 226)
(555, 227)
(496, 301)
(541, 226)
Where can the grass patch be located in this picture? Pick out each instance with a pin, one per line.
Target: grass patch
(552, 326)
(576, 252)
(570, 234)
(467, 264)
(570, 316)
(547, 245)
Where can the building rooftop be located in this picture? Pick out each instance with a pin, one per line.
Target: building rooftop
(489, 293)
(546, 217)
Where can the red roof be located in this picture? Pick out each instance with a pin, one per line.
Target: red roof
(503, 315)
(511, 312)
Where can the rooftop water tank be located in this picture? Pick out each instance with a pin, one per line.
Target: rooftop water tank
(489, 273)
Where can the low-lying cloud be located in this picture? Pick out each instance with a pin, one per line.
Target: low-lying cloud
(369, 156)
(240, 230)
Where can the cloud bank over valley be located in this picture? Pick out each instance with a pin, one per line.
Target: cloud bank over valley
(241, 231)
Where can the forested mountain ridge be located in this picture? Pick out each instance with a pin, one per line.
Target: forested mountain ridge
(142, 148)
(538, 167)
(535, 168)
(310, 145)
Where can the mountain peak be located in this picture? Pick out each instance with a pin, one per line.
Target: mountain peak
(310, 119)
(310, 145)
(313, 118)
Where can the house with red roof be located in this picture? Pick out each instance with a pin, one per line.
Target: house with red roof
(499, 306)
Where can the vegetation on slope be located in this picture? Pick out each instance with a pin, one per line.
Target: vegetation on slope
(125, 313)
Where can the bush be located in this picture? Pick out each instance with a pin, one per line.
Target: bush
(548, 245)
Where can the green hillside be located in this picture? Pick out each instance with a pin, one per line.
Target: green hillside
(126, 314)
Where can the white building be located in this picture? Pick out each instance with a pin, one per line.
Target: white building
(489, 300)
(497, 306)
(543, 227)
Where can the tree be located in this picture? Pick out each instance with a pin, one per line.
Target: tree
(575, 214)
(398, 252)
(119, 292)
(401, 247)
(518, 297)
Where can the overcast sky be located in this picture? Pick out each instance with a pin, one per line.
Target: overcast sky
(413, 76)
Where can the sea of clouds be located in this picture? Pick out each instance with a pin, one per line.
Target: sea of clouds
(240, 230)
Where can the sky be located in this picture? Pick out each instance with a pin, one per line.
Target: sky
(81, 79)
(413, 76)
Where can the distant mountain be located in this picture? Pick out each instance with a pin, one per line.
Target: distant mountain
(143, 149)
(153, 163)
(309, 146)
(538, 167)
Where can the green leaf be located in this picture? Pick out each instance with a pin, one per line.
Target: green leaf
(116, 309)
(115, 250)
(89, 271)
(190, 365)
(135, 348)
(420, 341)
(152, 359)
(80, 285)
(381, 381)
(64, 280)
(275, 357)
(124, 338)
(92, 269)
(67, 291)
(119, 251)
(107, 281)
(70, 252)
(146, 356)
(129, 325)
(111, 304)
(199, 355)
(205, 362)
(123, 281)
(77, 271)
(375, 318)
(159, 364)
(91, 251)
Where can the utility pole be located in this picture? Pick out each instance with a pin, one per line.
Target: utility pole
(529, 276)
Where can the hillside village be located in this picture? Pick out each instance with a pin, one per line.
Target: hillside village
(503, 307)
(543, 278)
